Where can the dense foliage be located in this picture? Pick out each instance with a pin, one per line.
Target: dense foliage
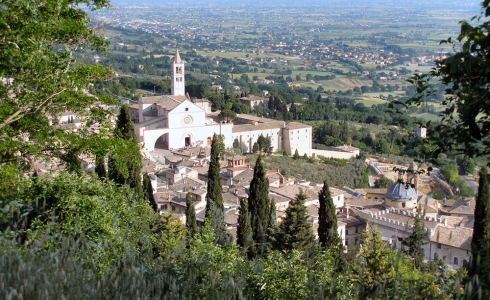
(338, 173)
(74, 235)
(41, 80)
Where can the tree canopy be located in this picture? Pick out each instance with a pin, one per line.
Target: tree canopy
(465, 123)
(41, 79)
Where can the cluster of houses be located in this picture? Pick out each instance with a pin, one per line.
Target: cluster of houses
(183, 130)
(392, 211)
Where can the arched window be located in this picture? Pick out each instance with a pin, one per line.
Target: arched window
(465, 262)
(456, 261)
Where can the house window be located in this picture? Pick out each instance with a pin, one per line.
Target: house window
(346, 232)
(173, 207)
(439, 245)
(403, 204)
(346, 242)
(456, 261)
(356, 229)
(186, 109)
(465, 262)
(356, 241)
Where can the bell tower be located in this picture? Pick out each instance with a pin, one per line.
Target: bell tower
(177, 76)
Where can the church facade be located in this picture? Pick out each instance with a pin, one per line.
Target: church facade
(174, 121)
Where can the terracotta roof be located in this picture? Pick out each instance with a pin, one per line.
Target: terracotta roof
(278, 198)
(257, 119)
(465, 206)
(199, 192)
(376, 191)
(312, 210)
(245, 176)
(459, 237)
(364, 203)
(291, 191)
(231, 217)
(168, 102)
(236, 157)
(259, 126)
(296, 125)
(230, 200)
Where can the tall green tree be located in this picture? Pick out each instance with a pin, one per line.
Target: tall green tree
(383, 182)
(327, 219)
(374, 268)
(478, 271)
(125, 168)
(244, 236)
(214, 197)
(415, 243)
(148, 192)
(364, 182)
(259, 205)
(295, 232)
(45, 79)
(190, 216)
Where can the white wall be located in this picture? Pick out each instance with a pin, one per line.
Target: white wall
(299, 139)
(248, 138)
(333, 154)
(186, 114)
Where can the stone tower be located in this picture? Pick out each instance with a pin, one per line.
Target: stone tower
(177, 76)
(413, 175)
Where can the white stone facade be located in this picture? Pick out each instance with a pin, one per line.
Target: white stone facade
(173, 121)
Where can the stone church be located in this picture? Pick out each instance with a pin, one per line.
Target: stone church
(174, 121)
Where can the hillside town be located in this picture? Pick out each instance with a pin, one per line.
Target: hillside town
(175, 133)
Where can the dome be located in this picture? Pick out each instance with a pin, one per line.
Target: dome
(399, 192)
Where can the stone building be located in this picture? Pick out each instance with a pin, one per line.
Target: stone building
(174, 121)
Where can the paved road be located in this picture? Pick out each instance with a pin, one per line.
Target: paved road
(470, 183)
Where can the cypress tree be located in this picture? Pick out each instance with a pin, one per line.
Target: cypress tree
(478, 273)
(214, 198)
(125, 130)
(259, 205)
(244, 230)
(272, 217)
(327, 219)
(415, 243)
(364, 182)
(100, 166)
(273, 228)
(296, 154)
(148, 192)
(295, 232)
(124, 125)
(190, 216)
